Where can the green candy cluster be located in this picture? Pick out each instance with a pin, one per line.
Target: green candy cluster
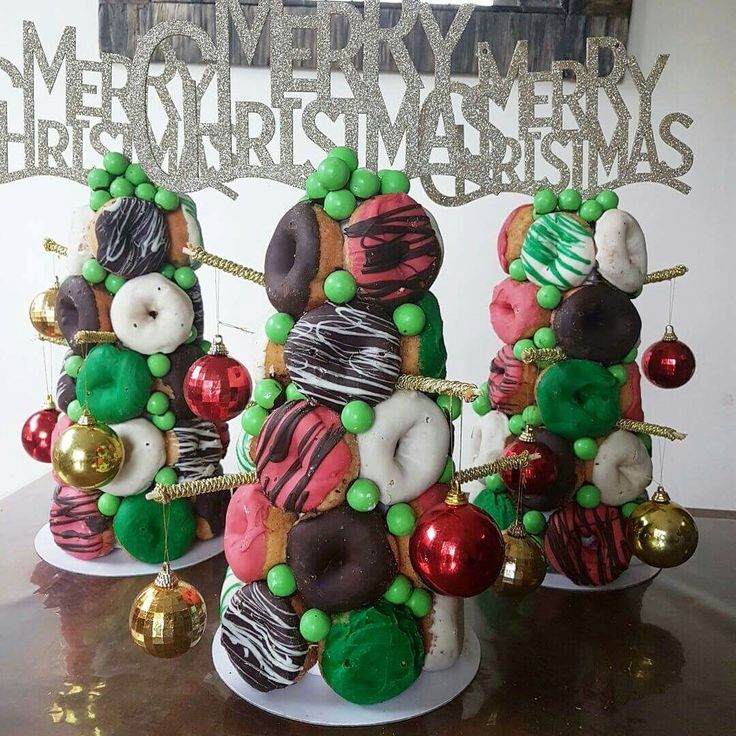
(570, 200)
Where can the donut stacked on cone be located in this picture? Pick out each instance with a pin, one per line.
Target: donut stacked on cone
(318, 547)
(128, 273)
(574, 269)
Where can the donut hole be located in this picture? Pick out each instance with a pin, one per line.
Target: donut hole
(589, 541)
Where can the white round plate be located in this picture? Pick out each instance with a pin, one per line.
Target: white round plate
(637, 573)
(311, 700)
(118, 564)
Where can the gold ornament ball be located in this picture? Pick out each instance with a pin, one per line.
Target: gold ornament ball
(524, 564)
(168, 617)
(662, 533)
(87, 455)
(42, 313)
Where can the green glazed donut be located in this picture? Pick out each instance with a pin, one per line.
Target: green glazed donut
(115, 383)
(578, 398)
(425, 354)
(498, 506)
(139, 528)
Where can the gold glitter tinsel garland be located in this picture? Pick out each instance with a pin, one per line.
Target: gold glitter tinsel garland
(540, 355)
(658, 430)
(666, 274)
(460, 389)
(51, 246)
(94, 337)
(502, 463)
(53, 340)
(167, 493)
(200, 255)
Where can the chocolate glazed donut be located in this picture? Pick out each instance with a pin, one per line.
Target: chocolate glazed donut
(341, 559)
(81, 306)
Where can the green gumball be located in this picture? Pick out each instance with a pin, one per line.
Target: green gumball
(588, 496)
(252, 419)
(451, 405)
(72, 365)
(545, 337)
(545, 201)
(93, 272)
(520, 346)
(115, 163)
(146, 191)
(590, 210)
(531, 415)
(158, 364)
(569, 200)
(278, 327)
(340, 204)
(294, 394)
(628, 508)
(481, 405)
(166, 200)
(363, 495)
(401, 520)
(121, 187)
(314, 625)
(98, 198)
(420, 602)
(516, 270)
(98, 179)
(516, 424)
(340, 287)
(585, 448)
(620, 373)
(267, 393)
(313, 188)
(280, 580)
(158, 403)
(345, 154)
(135, 175)
(108, 505)
(399, 591)
(74, 410)
(448, 471)
(409, 319)
(607, 199)
(549, 296)
(113, 282)
(165, 422)
(166, 476)
(333, 173)
(394, 182)
(357, 416)
(494, 483)
(364, 183)
(534, 522)
(185, 277)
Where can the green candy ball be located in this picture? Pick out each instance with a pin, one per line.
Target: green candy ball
(278, 327)
(620, 373)
(333, 173)
(357, 416)
(588, 496)
(481, 405)
(74, 410)
(394, 181)
(108, 505)
(166, 476)
(98, 179)
(363, 495)
(168, 270)
(280, 580)
(532, 415)
(165, 422)
(93, 271)
(447, 472)
(534, 522)
(72, 365)
(409, 319)
(494, 483)
(158, 403)
(420, 602)
(364, 183)
(267, 392)
(401, 520)
(520, 346)
(585, 448)
(607, 199)
(98, 198)
(185, 277)
(115, 163)
(192, 335)
(545, 201)
(345, 154)
(252, 419)
(159, 364)
(135, 175)
(121, 187)
(146, 192)
(590, 210)
(645, 438)
(340, 287)
(451, 405)
(294, 394)
(339, 205)
(205, 346)
(630, 356)
(313, 188)
(545, 337)
(549, 296)
(399, 591)
(516, 424)
(516, 270)
(113, 282)
(628, 508)
(569, 200)
(166, 200)
(314, 625)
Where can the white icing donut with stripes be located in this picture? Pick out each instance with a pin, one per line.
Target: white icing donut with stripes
(622, 250)
(444, 632)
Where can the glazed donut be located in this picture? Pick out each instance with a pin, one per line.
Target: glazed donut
(82, 306)
(597, 322)
(243, 453)
(631, 407)
(139, 528)
(210, 510)
(255, 534)
(260, 634)
(425, 354)
(128, 237)
(341, 559)
(77, 526)
(151, 314)
(337, 353)
(230, 585)
(183, 230)
(578, 398)
(79, 251)
(622, 469)
(406, 449)
(558, 250)
(114, 383)
(274, 365)
(304, 458)
(622, 250)
(587, 545)
(515, 312)
(393, 249)
(304, 249)
(194, 449)
(145, 454)
(511, 382)
(487, 441)
(443, 631)
(172, 384)
(511, 235)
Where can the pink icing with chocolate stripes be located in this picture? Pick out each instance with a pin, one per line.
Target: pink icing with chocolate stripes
(246, 529)
(634, 409)
(77, 526)
(505, 378)
(515, 312)
(502, 242)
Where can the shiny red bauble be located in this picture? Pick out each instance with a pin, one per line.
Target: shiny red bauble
(36, 433)
(457, 550)
(668, 363)
(539, 475)
(216, 386)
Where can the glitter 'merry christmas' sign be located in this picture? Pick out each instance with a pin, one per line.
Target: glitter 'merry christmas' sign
(443, 128)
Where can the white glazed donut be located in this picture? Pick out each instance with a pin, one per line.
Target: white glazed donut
(444, 632)
(78, 251)
(622, 469)
(487, 441)
(406, 449)
(151, 314)
(622, 250)
(145, 455)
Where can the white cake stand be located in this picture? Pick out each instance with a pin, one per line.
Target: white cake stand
(311, 700)
(637, 573)
(118, 564)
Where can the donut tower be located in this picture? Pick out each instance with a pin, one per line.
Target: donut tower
(566, 383)
(131, 314)
(344, 460)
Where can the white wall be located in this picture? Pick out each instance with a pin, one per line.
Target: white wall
(695, 230)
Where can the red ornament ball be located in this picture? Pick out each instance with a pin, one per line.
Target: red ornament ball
(457, 550)
(217, 387)
(539, 475)
(36, 433)
(668, 363)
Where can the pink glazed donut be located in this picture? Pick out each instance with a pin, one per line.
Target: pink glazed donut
(515, 312)
(77, 526)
